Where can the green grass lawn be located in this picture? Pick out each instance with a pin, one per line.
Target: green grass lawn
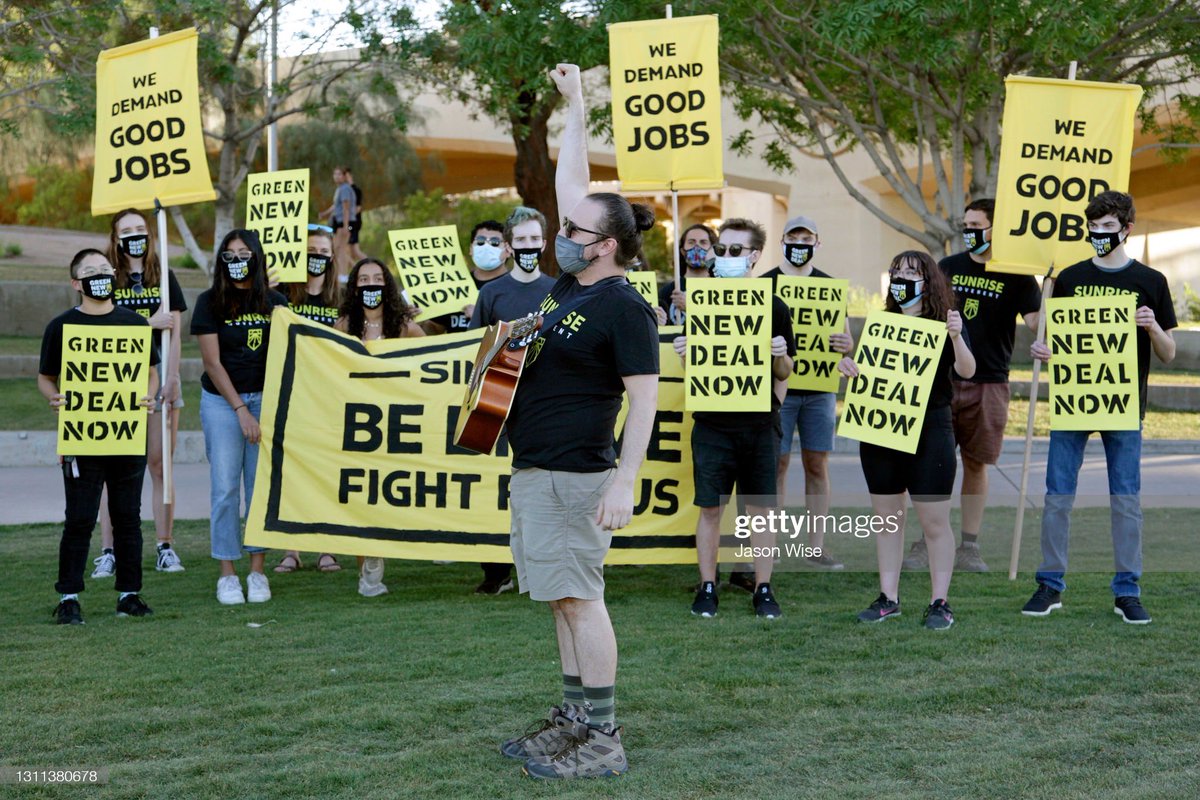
(407, 695)
(1159, 424)
(22, 407)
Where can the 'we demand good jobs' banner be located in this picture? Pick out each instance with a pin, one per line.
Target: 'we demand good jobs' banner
(149, 144)
(1064, 143)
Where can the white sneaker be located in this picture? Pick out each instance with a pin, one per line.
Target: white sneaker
(258, 590)
(168, 560)
(106, 566)
(370, 580)
(229, 591)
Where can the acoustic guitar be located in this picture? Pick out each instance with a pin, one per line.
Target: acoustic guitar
(498, 368)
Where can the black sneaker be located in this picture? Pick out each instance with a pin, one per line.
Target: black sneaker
(68, 612)
(494, 587)
(742, 580)
(133, 606)
(880, 610)
(938, 617)
(1131, 610)
(1044, 601)
(705, 604)
(764, 602)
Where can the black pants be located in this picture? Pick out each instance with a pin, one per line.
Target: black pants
(123, 476)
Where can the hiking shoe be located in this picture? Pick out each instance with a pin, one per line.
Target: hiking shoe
(967, 558)
(370, 580)
(494, 587)
(258, 589)
(168, 560)
(880, 610)
(1130, 609)
(938, 617)
(824, 561)
(765, 606)
(742, 580)
(106, 566)
(133, 606)
(596, 754)
(229, 591)
(918, 556)
(549, 736)
(705, 604)
(1044, 601)
(68, 612)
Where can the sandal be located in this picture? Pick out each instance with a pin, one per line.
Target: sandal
(289, 563)
(327, 563)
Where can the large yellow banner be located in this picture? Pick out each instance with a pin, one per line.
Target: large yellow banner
(149, 144)
(1094, 367)
(666, 103)
(432, 270)
(105, 375)
(1064, 143)
(358, 456)
(897, 360)
(277, 210)
(818, 308)
(728, 344)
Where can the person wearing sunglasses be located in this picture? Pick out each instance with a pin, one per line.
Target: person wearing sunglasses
(232, 322)
(488, 254)
(598, 343)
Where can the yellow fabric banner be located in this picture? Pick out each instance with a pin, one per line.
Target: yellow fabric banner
(647, 285)
(666, 103)
(105, 374)
(149, 143)
(1064, 143)
(897, 359)
(358, 456)
(728, 344)
(432, 269)
(818, 308)
(1094, 366)
(277, 210)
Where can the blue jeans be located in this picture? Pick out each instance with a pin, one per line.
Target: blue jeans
(231, 460)
(1123, 453)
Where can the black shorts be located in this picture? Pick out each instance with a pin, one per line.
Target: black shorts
(355, 227)
(927, 474)
(745, 457)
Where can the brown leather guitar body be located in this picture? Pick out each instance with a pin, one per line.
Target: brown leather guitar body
(493, 384)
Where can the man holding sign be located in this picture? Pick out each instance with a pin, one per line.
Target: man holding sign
(107, 389)
(1112, 272)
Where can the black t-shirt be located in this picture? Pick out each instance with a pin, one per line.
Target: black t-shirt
(989, 303)
(149, 300)
(1150, 287)
(781, 325)
(459, 322)
(357, 204)
(816, 273)
(506, 299)
(243, 342)
(566, 405)
(314, 308)
(51, 360)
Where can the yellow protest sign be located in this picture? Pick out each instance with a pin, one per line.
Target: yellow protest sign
(1094, 366)
(149, 143)
(1064, 143)
(105, 374)
(897, 360)
(277, 210)
(647, 285)
(666, 103)
(358, 455)
(728, 344)
(818, 308)
(432, 270)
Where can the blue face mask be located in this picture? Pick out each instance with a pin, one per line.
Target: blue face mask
(570, 256)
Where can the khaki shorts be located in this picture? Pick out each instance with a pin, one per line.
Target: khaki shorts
(980, 414)
(557, 546)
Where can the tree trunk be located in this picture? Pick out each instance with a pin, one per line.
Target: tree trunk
(534, 171)
(204, 260)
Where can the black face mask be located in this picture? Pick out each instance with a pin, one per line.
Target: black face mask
(97, 287)
(973, 240)
(527, 258)
(1105, 243)
(797, 254)
(369, 296)
(135, 246)
(240, 270)
(317, 264)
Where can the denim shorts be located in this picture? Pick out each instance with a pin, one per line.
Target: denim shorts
(815, 415)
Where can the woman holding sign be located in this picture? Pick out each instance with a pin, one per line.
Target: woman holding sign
(918, 289)
(232, 321)
(373, 309)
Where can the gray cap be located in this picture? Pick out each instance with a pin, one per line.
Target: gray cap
(800, 222)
